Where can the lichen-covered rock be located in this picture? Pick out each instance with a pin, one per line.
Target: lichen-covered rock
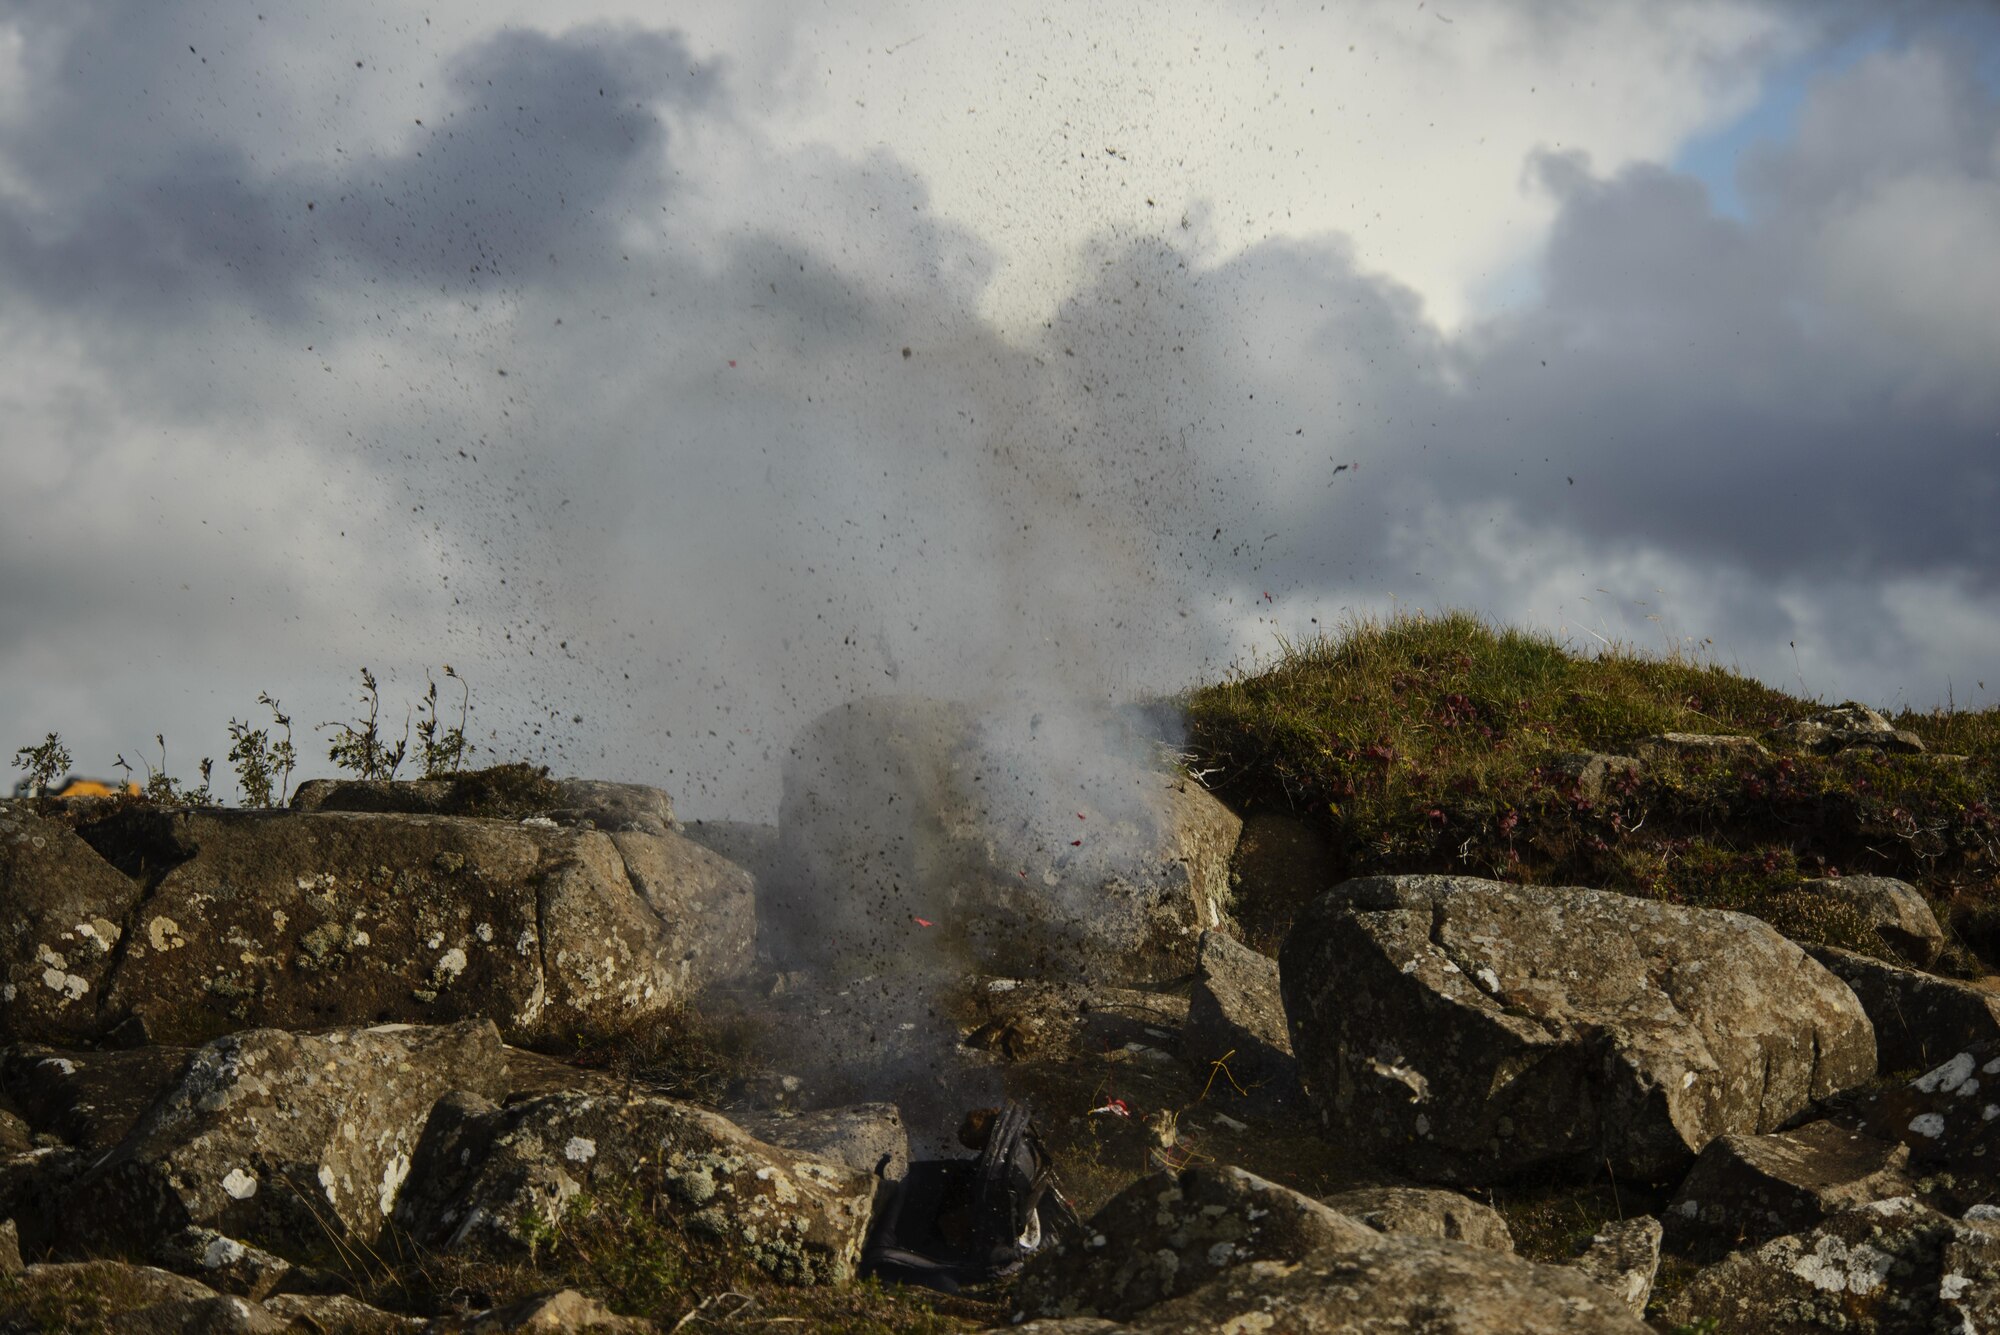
(1919, 1019)
(485, 1177)
(1426, 1212)
(285, 1141)
(1756, 1187)
(317, 919)
(102, 1295)
(63, 911)
(1170, 1233)
(1686, 746)
(1470, 1030)
(1843, 728)
(1900, 917)
(1237, 1012)
(903, 809)
(1405, 1284)
(1949, 1117)
(1624, 1258)
(1876, 1269)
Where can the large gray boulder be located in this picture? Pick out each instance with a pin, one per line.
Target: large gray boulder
(486, 1176)
(291, 1142)
(1031, 846)
(1472, 1031)
(316, 919)
(1846, 727)
(63, 911)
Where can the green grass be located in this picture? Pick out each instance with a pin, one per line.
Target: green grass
(1426, 744)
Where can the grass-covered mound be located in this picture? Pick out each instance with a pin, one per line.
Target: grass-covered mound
(1435, 744)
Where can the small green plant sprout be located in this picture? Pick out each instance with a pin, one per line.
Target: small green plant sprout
(443, 752)
(360, 749)
(261, 763)
(164, 788)
(44, 765)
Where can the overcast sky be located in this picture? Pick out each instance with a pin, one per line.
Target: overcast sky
(675, 372)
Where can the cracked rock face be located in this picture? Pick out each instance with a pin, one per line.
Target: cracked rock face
(315, 919)
(63, 912)
(284, 1141)
(1472, 1031)
(483, 1173)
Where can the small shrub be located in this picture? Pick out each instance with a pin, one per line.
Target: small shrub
(44, 764)
(358, 747)
(261, 762)
(443, 753)
(162, 787)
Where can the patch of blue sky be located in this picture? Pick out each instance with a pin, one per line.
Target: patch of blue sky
(1712, 157)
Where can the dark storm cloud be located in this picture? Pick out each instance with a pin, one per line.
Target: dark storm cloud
(541, 150)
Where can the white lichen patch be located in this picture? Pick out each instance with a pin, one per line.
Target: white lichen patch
(393, 1178)
(239, 1185)
(449, 966)
(484, 931)
(1947, 1077)
(1928, 1124)
(326, 1181)
(580, 1149)
(165, 934)
(1835, 1267)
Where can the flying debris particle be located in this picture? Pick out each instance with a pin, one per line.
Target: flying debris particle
(921, 922)
(906, 354)
(1076, 843)
(1267, 595)
(1337, 471)
(732, 361)
(1080, 815)
(1572, 481)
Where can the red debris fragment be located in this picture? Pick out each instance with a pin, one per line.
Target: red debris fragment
(732, 361)
(1081, 816)
(1076, 843)
(921, 922)
(1116, 1107)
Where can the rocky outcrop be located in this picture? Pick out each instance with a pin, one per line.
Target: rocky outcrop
(1426, 1212)
(867, 1137)
(1592, 773)
(1896, 1267)
(284, 1141)
(90, 1100)
(485, 1177)
(1236, 1014)
(1471, 1030)
(1843, 728)
(1756, 1187)
(906, 809)
(63, 914)
(1919, 1019)
(1171, 1233)
(304, 920)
